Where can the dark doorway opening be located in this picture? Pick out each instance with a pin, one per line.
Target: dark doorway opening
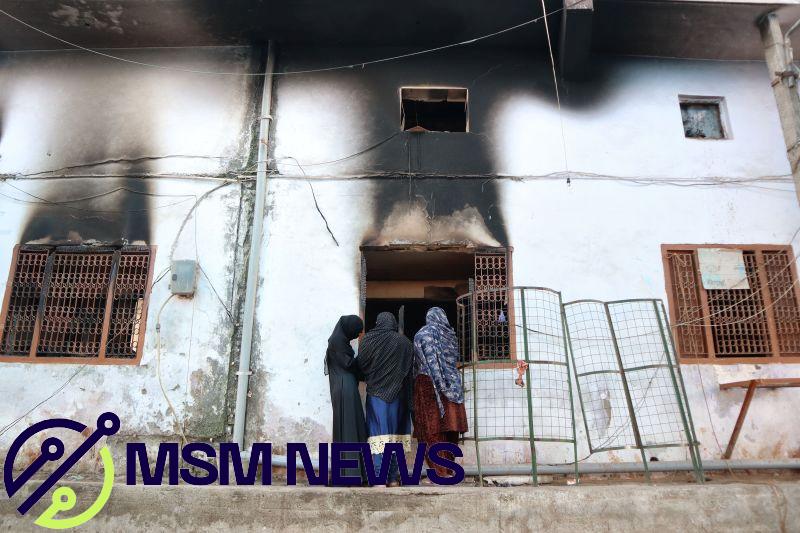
(414, 311)
(415, 281)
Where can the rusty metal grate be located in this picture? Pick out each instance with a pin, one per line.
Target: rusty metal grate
(129, 297)
(760, 321)
(738, 319)
(491, 313)
(686, 295)
(76, 303)
(23, 301)
(783, 292)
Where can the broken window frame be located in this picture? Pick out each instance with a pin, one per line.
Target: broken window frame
(434, 88)
(707, 353)
(115, 280)
(719, 102)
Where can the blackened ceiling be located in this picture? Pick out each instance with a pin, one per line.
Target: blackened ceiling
(674, 28)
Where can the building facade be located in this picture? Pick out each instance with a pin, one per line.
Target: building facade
(397, 183)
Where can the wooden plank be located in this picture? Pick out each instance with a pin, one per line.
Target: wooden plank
(748, 397)
(766, 383)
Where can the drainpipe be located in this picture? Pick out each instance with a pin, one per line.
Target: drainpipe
(254, 261)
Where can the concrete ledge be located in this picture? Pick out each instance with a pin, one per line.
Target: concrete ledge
(618, 508)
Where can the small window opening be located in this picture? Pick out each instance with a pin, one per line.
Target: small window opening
(703, 117)
(433, 109)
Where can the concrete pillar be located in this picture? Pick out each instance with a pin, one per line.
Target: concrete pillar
(784, 85)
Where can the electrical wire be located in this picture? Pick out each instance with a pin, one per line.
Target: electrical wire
(87, 210)
(361, 64)
(316, 204)
(122, 160)
(555, 86)
(222, 303)
(178, 424)
(29, 411)
(98, 195)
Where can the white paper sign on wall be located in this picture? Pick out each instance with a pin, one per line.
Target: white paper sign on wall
(722, 268)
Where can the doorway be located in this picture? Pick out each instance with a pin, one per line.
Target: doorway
(408, 281)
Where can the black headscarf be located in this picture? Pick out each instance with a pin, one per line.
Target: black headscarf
(339, 350)
(385, 357)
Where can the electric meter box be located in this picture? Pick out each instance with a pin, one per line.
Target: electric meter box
(183, 277)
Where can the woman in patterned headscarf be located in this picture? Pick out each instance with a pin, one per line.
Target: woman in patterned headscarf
(385, 358)
(439, 413)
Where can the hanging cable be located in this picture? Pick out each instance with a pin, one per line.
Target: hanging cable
(361, 64)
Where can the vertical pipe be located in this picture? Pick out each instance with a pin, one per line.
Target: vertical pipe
(254, 260)
(531, 437)
(634, 425)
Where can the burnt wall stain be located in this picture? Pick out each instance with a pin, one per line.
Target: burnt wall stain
(121, 217)
(454, 200)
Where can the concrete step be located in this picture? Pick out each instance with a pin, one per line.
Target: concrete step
(620, 508)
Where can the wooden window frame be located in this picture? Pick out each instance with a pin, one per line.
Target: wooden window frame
(712, 358)
(100, 358)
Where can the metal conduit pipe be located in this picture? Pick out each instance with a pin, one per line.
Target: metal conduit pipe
(594, 468)
(254, 260)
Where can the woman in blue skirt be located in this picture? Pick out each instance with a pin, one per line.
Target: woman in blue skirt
(385, 357)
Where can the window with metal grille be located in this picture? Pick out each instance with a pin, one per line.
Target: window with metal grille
(76, 304)
(754, 320)
(487, 310)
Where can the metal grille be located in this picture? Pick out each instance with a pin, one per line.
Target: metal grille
(688, 310)
(629, 383)
(739, 324)
(76, 302)
(128, 303)
(760, 321)
(529, 399)
(783, 293)
(23, 301)
(491, 311)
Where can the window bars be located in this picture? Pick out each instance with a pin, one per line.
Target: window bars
(629, 384)
(76, 304)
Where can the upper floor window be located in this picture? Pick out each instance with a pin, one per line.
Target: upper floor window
(704, 117)
(733, 303)
(76, 304)
(434, 109)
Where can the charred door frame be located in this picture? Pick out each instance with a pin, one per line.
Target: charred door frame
(473, 250)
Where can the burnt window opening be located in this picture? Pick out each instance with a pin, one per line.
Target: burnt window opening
(703, 117)
(76, 304)
(434, 109)
(408, 282)
(753, 318)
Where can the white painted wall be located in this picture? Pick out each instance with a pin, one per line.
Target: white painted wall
(66, 108)
(596, 238)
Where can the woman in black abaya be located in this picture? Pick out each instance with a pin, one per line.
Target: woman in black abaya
(342, 369)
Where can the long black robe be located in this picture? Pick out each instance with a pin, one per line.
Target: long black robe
(340, 364)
